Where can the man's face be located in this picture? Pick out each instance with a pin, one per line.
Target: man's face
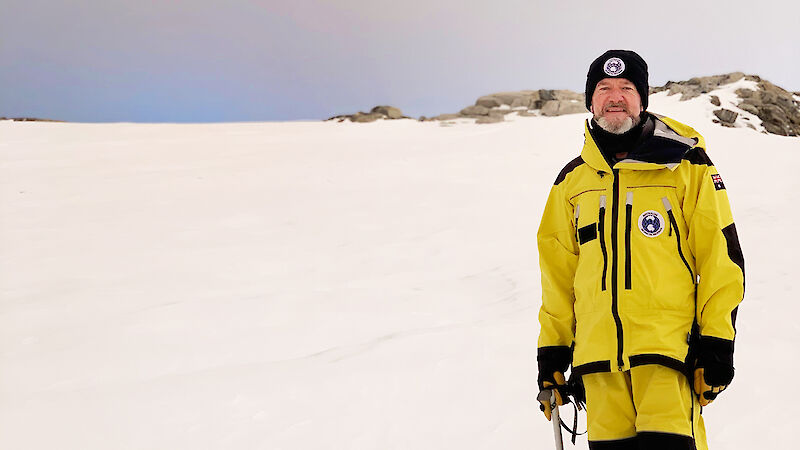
(616, 105)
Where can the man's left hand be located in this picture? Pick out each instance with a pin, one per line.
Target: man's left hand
(704, 389)
(714, 370)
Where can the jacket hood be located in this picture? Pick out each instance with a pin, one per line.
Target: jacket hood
(668, 144)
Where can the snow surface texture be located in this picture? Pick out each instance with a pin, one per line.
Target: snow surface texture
(328, 285)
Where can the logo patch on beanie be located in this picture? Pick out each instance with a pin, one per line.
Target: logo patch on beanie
(651, 223)
(614, 67)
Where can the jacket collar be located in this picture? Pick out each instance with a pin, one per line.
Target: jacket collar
(664, 149)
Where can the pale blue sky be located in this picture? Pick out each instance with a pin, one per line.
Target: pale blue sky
(234, 60)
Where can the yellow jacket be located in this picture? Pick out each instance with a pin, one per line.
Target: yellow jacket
(633, 255)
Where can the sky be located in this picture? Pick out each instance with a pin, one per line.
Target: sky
(237, 60)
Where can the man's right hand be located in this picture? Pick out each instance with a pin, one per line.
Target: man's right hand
(553, 362)
(553, 384)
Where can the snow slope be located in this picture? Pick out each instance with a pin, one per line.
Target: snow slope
(328, 285)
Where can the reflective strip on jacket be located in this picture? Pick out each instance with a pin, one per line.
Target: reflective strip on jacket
(632, 256)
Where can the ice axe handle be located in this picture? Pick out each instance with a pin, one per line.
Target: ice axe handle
(556, 421)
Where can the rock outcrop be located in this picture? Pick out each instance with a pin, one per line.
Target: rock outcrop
(778, 109)
(494, 107)
(693, 87)
(29, 119)
(726, 116)
(378, 112)
(561, 107)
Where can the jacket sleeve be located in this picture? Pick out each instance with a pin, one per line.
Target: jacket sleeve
(558, 259)
(719, 262)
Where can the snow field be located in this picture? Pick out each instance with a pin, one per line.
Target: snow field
(321, 285)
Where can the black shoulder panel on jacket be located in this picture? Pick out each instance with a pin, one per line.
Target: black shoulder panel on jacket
(697, 155)
(568, 168)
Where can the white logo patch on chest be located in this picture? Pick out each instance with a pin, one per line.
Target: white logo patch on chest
(651, 223)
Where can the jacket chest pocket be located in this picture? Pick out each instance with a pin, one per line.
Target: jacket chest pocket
(586, 220)
(655, 238)
(591, 232)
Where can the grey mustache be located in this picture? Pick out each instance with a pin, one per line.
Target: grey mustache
(615, 105)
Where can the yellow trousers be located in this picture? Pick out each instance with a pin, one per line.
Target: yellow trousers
(650, 402)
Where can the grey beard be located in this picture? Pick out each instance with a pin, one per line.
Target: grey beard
(622, 127)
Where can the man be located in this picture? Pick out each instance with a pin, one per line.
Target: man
(642, 271)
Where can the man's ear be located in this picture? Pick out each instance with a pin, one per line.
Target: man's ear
(591, 109)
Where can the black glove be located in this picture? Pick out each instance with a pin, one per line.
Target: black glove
(714, 368)
(553, 362)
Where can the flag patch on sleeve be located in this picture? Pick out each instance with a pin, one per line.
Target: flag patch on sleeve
(717, 181)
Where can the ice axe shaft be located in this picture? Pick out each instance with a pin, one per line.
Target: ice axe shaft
(556, 419)
(549, 396)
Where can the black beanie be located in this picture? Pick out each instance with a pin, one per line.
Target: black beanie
(618, 64)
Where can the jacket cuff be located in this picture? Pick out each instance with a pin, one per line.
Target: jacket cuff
(716, 356)
(551, 360)
(717, 350)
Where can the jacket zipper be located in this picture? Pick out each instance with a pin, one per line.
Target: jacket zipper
(615, 269)
(674, 224)
(577, 215)
(601, 229)
(628, 214)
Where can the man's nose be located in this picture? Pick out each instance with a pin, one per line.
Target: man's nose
(615, 95)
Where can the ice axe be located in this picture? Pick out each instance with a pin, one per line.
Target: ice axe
(549, 395)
